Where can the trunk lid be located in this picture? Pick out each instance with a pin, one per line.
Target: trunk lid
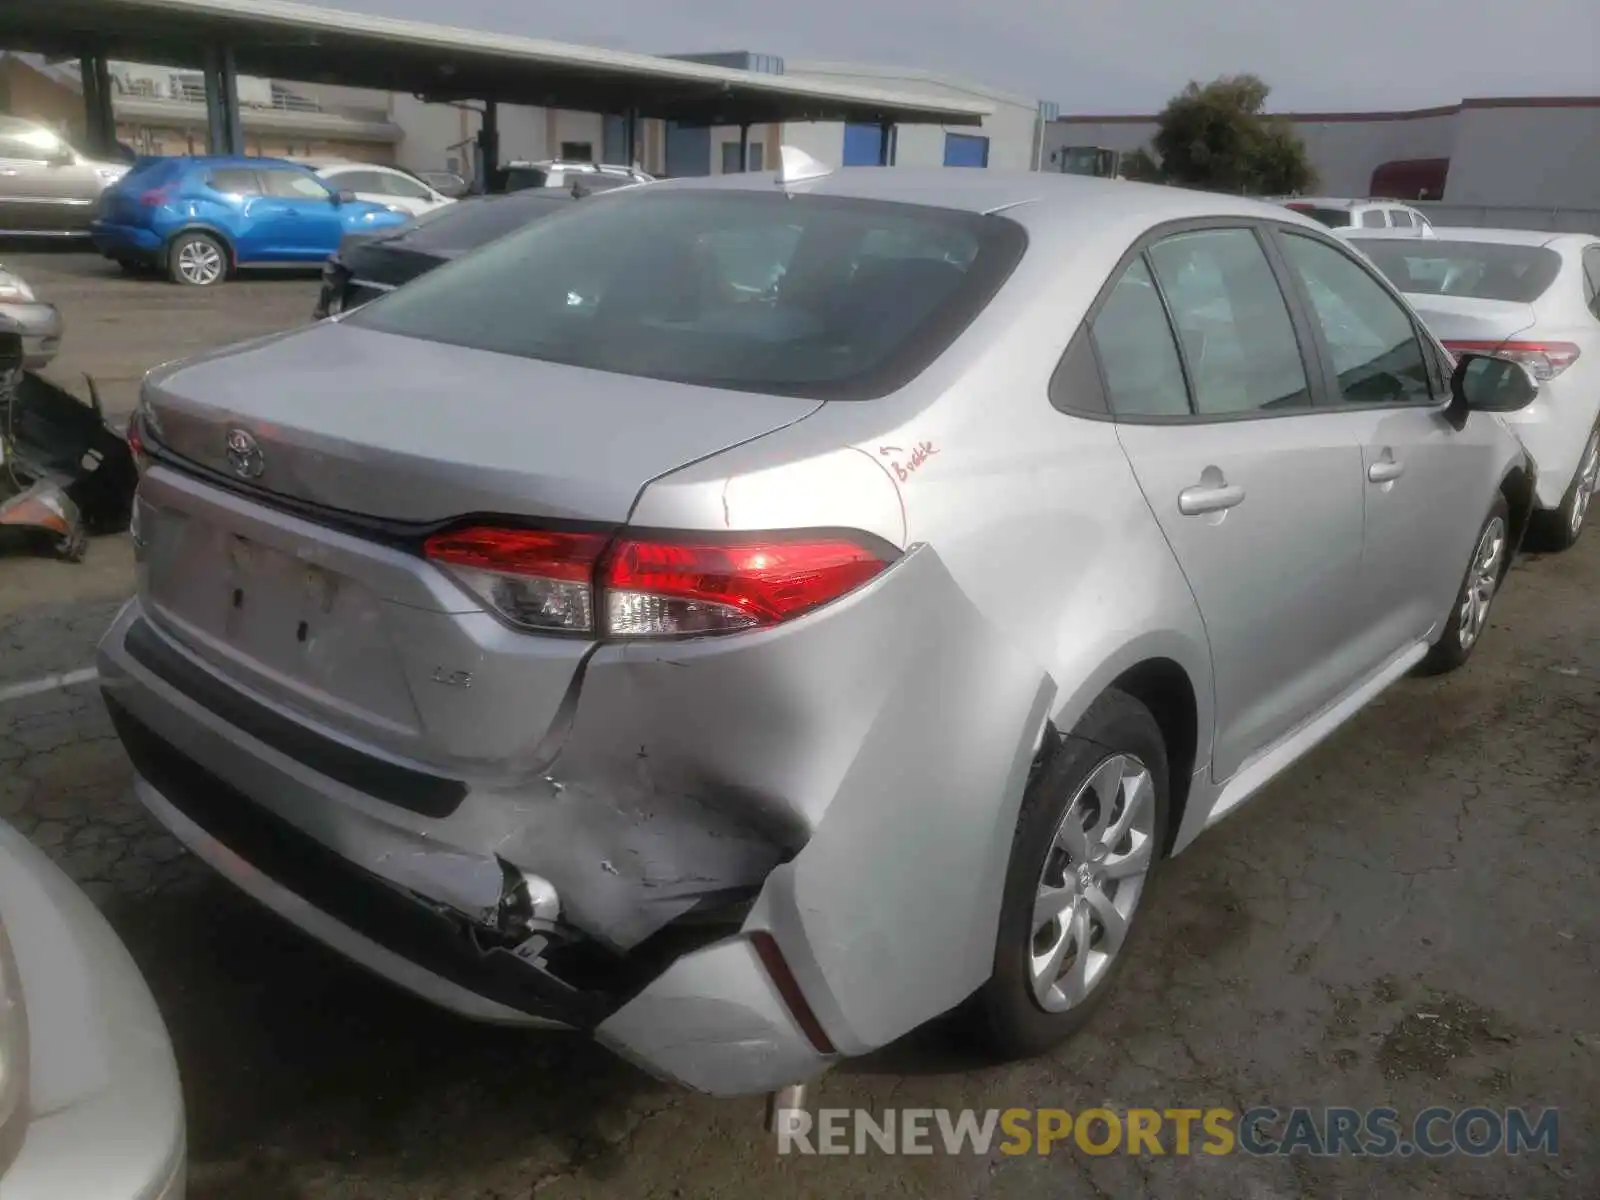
(415, 431)
(364, 639)
(1465, 319)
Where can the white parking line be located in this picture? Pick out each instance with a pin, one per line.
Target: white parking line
(50, 683)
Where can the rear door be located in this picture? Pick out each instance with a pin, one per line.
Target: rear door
(300, 216)
(1256, 487)
(1425, 484)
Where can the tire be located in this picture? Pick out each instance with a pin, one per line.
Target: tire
(1116, 736)
(1486, 569)
(197, 260)
(1554, 530)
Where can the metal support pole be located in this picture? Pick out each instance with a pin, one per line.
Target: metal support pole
(781, 1103)
(885, 140)
(100, 123)
(744, 146)
(630, 136)
(224, 134)
(489, 145)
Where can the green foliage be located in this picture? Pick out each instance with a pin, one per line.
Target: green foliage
(1218, 136)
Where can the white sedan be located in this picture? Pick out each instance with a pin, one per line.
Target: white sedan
(376, 184)
(1535, 298)
(90, 1104)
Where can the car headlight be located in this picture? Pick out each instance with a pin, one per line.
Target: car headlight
(13, 287)
(13, 1056)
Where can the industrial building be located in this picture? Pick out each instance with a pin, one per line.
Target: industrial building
(1516, 152)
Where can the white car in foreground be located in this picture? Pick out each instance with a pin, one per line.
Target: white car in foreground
(90, 1106)
(1535, 298)
(398, 190)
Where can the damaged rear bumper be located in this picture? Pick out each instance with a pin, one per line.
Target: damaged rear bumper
(787, 852)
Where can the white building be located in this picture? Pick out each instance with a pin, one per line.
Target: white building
(1517, 152)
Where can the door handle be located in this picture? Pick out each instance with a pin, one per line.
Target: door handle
(1385, 470)
(1209, 498)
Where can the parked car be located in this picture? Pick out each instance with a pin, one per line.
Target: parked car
(747, 677)
(47, 188)
(366, 268)
(397, 190)
(446, 183)
(1361, 214)
(555, 173)
(1533, 298)
(38, 322)
(199, 219)
(90, 1103)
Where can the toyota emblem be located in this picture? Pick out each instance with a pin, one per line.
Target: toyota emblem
(244, 454)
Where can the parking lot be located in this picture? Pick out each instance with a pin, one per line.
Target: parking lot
(1409, 918)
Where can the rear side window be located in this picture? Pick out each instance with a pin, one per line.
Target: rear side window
(1591, 279)
(1476, 270)
(833, 298)
(468, 224)
(1333, 218)
(357, 181)
(1376, 352)
(1138, 358)
(1372, 218)
(235, 182)
(1401, 218)
(293, 185)
(1238, 341)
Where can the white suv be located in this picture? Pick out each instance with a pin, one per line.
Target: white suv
(1360, 214)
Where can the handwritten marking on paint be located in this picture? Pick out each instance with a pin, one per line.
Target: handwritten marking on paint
(920, 453)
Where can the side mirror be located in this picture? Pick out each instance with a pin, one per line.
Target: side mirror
(343, 197)
(1484, 383)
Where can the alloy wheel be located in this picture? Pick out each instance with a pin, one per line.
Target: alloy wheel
(200, 263)
(1588, 479)
(1482, 579)
(1094, 874)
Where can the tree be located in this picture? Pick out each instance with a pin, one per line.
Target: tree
(1218, 136)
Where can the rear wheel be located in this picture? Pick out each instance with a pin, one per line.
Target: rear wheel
(1089, 834)
(197, 260)
(1559, 529)
(1469, 615)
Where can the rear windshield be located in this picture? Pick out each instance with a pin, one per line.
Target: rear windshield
(1333, 218)
(792, 295)
(468, 224)
(1477, 270)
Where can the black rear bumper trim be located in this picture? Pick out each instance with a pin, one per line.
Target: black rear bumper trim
(376, 909)
(415, 791)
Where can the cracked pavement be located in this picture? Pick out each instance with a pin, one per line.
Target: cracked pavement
(1409, 917)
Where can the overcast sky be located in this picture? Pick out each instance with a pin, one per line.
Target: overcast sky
(1114, 56)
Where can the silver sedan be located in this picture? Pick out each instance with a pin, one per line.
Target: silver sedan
(746, 618)
(39, 323)
(89, 1099)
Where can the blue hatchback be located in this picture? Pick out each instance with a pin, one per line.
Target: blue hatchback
(196, 219)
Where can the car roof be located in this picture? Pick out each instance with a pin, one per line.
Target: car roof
(243, 162)
(1034, 197)
(1504, 237)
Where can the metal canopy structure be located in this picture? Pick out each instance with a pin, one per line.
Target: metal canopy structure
(299, 42)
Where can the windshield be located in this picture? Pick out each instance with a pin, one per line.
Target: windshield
(1333, 218)
(468, 224)
(1477, 270)
(791, 295)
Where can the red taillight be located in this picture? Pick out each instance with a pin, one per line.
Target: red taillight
(650, 587)
(155, 197)
(656, 588)
(135, 436)
(535, 579)
(1545, 359)
(777, 968)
